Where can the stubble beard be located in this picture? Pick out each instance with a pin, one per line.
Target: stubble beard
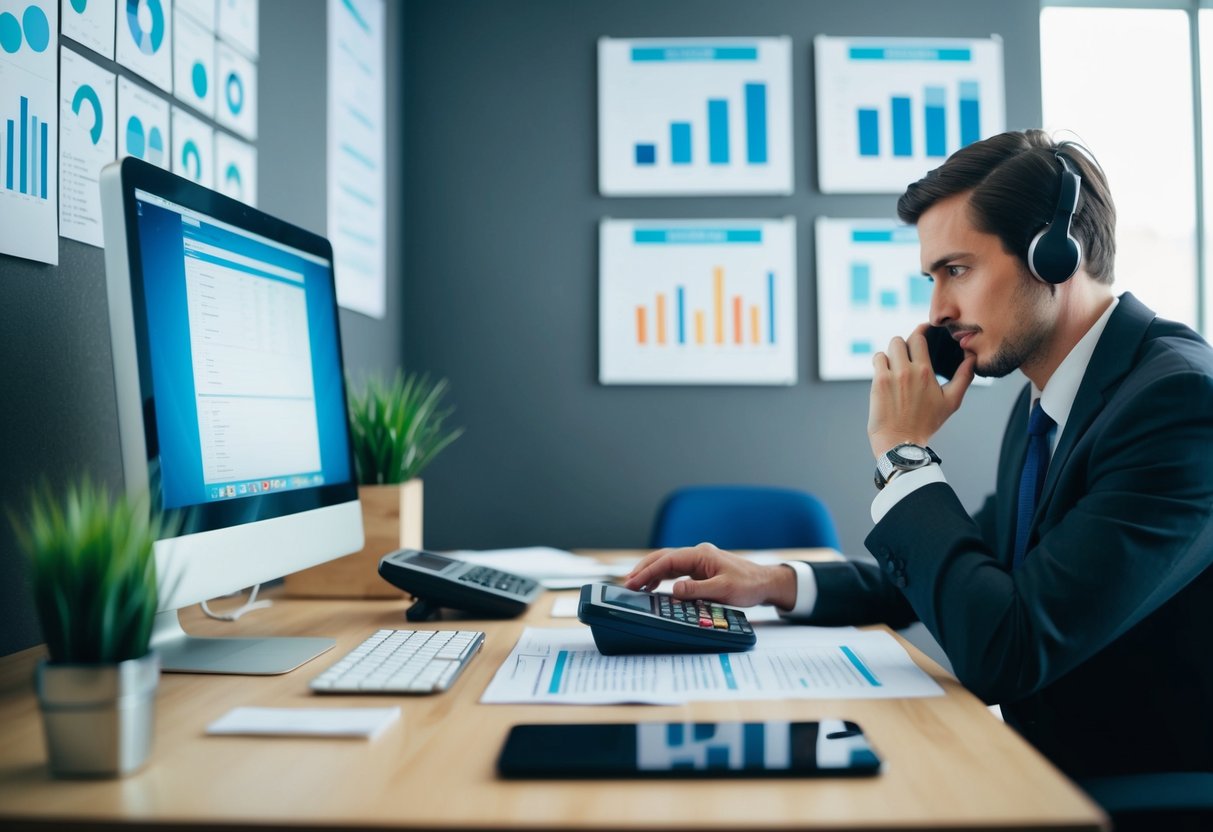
(1023, 346)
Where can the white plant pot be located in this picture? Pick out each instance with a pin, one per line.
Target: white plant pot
(98, 718)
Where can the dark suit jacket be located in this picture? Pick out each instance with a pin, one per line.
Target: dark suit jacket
(1100, 647)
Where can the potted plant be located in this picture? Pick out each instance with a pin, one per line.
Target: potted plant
(398, 427)
(94, 582)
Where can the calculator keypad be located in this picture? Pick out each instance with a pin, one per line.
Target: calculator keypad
(703, 614)
(496, 579)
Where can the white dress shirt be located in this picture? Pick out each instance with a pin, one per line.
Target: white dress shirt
(1057, 400)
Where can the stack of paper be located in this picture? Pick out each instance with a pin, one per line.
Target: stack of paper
(554, 568)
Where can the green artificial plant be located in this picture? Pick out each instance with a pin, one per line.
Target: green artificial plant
(398, 427)
(93, 571)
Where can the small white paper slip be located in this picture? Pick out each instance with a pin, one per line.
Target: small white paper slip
(367, 723)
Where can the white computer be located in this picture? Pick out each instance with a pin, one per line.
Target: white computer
(231, 400)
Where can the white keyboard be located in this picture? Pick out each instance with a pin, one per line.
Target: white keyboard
(402, 661)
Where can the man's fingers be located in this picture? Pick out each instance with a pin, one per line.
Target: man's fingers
(899, 355)
(954, 390)
(692, 590)
(917, 343)
(646, 561)
(669, 563)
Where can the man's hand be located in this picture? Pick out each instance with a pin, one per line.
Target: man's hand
(716, 575)
(908, 404)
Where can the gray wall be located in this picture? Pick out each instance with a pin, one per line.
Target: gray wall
(57, 411)
(501, 295)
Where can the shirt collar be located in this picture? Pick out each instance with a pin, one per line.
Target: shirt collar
(1057, 399)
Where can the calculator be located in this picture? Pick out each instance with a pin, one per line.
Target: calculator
(437, 581)
(624, 622)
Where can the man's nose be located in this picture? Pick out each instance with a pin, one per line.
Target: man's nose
(942, 308)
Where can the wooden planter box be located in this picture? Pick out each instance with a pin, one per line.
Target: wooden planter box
(391, 519)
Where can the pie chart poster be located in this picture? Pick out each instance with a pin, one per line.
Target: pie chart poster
(145, 39)
(88, 118)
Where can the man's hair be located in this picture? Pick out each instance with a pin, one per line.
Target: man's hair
(1014, 179)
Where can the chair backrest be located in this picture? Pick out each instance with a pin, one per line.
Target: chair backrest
(744, 517)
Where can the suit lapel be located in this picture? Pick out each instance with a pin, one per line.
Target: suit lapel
(1111, 361)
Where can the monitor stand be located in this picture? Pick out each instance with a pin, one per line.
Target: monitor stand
(183, 653)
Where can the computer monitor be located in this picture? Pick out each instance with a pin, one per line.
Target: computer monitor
(231, 401)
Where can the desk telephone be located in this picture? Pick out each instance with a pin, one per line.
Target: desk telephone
(437, 581)
(624, 622)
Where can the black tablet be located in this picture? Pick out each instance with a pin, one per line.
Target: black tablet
(832, 747)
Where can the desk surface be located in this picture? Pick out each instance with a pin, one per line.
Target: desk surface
(949, 762)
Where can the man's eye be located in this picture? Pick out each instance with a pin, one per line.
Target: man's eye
(955, 271)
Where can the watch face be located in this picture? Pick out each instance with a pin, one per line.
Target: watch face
(911, 453)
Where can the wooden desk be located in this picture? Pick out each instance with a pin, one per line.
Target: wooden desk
(949, 762)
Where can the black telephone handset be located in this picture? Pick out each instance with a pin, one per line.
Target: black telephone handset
(946, 354)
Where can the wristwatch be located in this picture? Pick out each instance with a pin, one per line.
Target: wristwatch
(904, 457)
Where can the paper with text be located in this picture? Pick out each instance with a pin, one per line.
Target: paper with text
(562, 666)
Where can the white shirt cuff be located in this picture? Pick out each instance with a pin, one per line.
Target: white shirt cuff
(901, 486)
(806, 590)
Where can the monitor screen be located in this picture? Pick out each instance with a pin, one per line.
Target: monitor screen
(245, 366)
(229, 384)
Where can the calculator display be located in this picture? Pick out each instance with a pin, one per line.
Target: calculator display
(627, 599)
(427, 560)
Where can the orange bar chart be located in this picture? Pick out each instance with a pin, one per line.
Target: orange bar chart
(697, 302)
(666, 324)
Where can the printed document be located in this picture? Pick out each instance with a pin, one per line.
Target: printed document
(562, 666)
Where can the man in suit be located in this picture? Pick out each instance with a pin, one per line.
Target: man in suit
(1080, 596)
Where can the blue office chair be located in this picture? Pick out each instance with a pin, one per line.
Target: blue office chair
(744, 517)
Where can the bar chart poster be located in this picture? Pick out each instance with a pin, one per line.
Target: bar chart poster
(870, 287)
(357, 152)
(142, 124)
(29, 129)
(145, 40)
(91, 23)
(891, 109)
(193, 148)
(694, 116)
(697, 302)
(87, 142)
(235, 168)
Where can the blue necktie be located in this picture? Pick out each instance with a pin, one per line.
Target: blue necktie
(1032, 480)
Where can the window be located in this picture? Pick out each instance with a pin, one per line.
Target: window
(1127, 94)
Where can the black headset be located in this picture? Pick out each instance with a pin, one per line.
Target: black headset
(1054, 255)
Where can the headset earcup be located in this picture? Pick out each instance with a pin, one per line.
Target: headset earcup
(1054, 257)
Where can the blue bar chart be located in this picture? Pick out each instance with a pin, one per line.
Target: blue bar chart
(890, 109)
(689, 116)
(934, 122)
(869, 289)
(697, 302)
(29, 130)
(27, 153)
